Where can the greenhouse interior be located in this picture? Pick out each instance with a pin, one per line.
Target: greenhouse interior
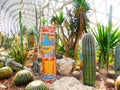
(59, 45)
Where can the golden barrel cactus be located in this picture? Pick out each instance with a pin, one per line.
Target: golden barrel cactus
(5, 72)
(23, 77)
(36, 85)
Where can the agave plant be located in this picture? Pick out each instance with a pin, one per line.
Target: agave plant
(104, 43)
(107, 39)
(43, 21)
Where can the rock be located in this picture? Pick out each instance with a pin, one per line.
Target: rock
(76, 74)
(97, 68)
(110, 83)
(97, 75)
(65, 66)
(69, 83)
(111, 74)
(2, 87)
(77, 68)
(59, 56)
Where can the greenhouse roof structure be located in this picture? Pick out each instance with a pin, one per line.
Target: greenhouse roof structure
(9, 12)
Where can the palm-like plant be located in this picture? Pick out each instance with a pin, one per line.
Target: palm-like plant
(106, 42)
(81, 7)
(58, 21)
(75, 26)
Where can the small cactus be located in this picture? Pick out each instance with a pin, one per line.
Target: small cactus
(117, 58)
(23, 77)
(2, 64)
(35, 67)
(89, 60)
(5, 72)
(36, 85)
(118, 83)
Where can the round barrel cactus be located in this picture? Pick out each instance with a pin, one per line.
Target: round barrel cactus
(36, 85)
(23, 77)
(5, 72)
(118, 83)
(2, 64)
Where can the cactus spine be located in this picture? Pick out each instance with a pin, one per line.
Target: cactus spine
(117, 58)
(89, 59)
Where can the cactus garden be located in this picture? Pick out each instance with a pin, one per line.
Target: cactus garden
(59, 45)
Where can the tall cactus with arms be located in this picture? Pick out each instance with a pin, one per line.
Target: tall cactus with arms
(89, 59)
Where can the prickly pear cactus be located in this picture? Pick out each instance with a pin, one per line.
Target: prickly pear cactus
(23, 77)
(5, 72)
(36, 85)
(89, 60)
(117, 58)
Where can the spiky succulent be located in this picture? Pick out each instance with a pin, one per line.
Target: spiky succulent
(5, 72)
(118, 83)
(36, 85)
(23, 77)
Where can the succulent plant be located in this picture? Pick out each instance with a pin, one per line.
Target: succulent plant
(23, 77)
(89, 60)
(118, 83)
(14, 65)
(35, 67)
(5, 72)
(2, 64)
(39, 59)
(117, 58)
(36, 85)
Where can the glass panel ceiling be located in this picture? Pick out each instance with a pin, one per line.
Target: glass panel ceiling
(9, 9)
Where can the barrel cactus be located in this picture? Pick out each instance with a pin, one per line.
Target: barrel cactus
(5, 72)
(118, 83)
(89, 60)
(23, 77)
(2, 64)
(36, 85)
(117, 58)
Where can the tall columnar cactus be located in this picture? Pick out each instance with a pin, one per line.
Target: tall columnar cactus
(117, 58)
(21, 38)
(89, 60)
